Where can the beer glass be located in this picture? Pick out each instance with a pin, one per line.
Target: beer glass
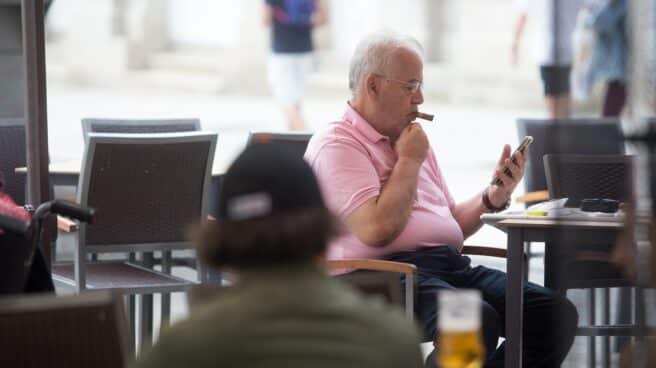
(459, 343)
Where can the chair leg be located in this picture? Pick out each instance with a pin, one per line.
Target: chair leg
(623, 315)
(639, 313)
(146, 325)
(527, 259)
(147, 307)
(166, 297)
(132, 308)
(592, 348)
(605, 342)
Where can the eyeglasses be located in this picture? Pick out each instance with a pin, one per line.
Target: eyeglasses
(410, 88)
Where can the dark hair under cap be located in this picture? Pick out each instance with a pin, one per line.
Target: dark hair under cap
(270, 211)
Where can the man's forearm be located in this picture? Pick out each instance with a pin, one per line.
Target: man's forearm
(395, 201)
(468, 215)
(381, 219)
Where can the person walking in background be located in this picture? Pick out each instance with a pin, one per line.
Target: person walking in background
(553, 48)
(290, 61)
(610, 52)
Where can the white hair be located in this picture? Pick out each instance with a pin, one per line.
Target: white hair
(372, 53)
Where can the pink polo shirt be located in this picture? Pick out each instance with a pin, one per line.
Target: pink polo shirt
(353, 162)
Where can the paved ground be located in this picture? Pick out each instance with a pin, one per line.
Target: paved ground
(466, 139)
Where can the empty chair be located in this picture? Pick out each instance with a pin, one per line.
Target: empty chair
(588, 136)
(579, 177)
(144, 126)
(148, 190)
(586, 265)
(296, 142)
(80, 331)
(138, 126)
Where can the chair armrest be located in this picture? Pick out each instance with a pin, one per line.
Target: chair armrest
(66, 225)
(484, 251)
(530, 197)
(371, 265)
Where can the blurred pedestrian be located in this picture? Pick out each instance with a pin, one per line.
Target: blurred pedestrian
(553, 48)
(284, 310)
(610, 51)
(290, 61)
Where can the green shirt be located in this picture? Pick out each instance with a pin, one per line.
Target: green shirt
(296, 317)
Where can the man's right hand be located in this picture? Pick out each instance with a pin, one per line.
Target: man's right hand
(372, 222)
(412, 144)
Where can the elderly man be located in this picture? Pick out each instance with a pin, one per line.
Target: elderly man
(381, 178)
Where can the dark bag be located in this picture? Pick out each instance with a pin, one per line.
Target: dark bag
(22, 265)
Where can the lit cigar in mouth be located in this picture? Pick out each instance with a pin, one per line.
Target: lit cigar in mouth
(423, 115)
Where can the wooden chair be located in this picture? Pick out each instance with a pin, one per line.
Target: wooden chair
(378, 283)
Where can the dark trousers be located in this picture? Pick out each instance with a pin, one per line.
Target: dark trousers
(615, 98)
(550, 319)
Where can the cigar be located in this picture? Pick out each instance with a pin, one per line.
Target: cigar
(423, 115)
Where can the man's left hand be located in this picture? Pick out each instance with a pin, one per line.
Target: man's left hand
(500, 194)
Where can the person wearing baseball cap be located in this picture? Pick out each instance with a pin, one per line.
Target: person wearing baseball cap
(283, 310)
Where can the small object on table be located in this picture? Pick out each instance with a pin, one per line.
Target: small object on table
(599, 205)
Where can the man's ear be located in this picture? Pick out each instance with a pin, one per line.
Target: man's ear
(372, 84)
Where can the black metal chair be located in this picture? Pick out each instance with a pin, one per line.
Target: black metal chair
(138, 126)
(296, 142)
(146, 126)
(147, 190)
(584, 263)
(586, 136)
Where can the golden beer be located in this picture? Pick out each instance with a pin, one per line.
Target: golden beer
(460, 349)
(459, 342)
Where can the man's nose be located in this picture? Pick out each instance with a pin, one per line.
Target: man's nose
(418, 97)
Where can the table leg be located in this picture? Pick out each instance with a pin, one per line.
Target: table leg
(514, 298)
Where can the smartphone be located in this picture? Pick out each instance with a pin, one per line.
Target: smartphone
(522, 146)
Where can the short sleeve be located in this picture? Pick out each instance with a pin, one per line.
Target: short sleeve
(346, 175)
